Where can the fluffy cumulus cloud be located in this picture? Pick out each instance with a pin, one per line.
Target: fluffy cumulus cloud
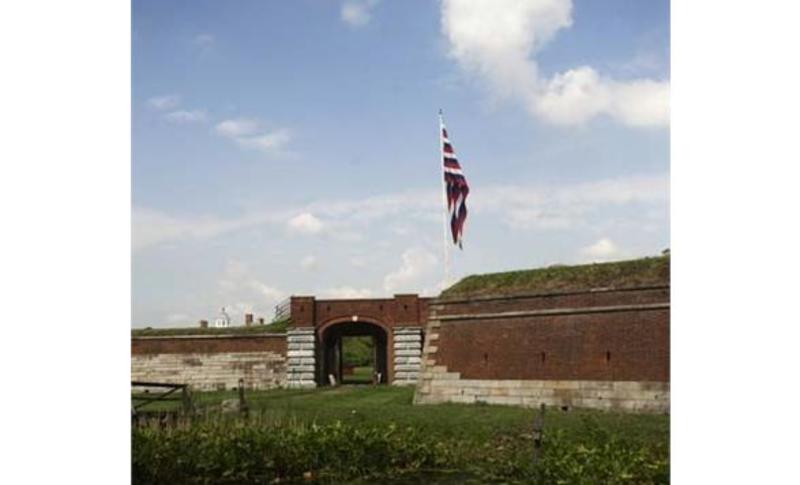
(357, 13)
(305, 223)
(417, 265)
(603, 249)
(498, 42)
(251, 134)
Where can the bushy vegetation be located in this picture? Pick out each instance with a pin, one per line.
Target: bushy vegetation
(358, 351)
(345, 435)
(620, 274)
(274, 327)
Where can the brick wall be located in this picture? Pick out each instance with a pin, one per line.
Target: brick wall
(209, 344)
(211, 362)
(628, 345)
(601, 348)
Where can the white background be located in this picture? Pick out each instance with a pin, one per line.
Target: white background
(65, 250)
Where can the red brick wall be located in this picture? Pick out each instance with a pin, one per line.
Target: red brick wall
(402, 310)
(630, 345)
(209, 345)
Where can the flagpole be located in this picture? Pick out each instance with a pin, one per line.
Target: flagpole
(445, 246)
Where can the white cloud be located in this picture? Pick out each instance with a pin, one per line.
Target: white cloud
(417, 264)
(249, 133)
(165, 102)
(357, 13)
(346, 292)
(309, 262)
(561, 207)
(358, 262)
(497, 41)
(603, 249)
(204, 40)
(272, 142)
(153, 227)
(521, 207)
(305, 223)
(238, 127)
(240, 292)
(186, 117)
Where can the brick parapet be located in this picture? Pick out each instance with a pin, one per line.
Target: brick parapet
(208, 344)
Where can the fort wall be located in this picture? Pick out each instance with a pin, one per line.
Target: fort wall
(603, 348)
(210, 363)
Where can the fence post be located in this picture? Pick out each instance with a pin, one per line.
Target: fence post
(187, 399)
(242, 403)
(538, 428)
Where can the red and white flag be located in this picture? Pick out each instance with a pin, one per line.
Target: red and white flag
(456, 187)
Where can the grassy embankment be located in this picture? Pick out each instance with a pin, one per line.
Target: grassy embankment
(620, 274)
(341, 434)
(275, 327)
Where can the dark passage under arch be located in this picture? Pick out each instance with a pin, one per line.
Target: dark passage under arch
(332, 358)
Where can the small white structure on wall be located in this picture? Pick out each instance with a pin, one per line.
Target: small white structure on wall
(223, 320)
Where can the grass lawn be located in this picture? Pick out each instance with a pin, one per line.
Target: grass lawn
(381, 405)
(360, 375)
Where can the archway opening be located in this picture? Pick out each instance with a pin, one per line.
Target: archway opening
(354, 353)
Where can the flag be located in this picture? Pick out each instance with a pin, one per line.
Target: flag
(456, 187)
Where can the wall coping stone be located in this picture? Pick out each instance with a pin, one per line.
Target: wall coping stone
(179, 337)
(439, 302)
(556, 311)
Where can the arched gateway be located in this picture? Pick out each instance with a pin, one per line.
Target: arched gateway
(331, 337)
(396, 326)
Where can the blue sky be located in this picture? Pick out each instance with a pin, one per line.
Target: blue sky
(291, 147)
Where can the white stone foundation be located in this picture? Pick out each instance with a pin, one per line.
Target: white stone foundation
(211, 372)
(437, 385)
(301, 360)
(407, 345)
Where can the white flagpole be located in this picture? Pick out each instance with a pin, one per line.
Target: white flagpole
(445, 246)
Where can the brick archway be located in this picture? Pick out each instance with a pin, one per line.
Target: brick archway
(329, 337)
(401, 319)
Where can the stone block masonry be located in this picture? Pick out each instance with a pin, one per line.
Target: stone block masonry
(407, 345)
(208, 363)
(212, 372)
(301, 358)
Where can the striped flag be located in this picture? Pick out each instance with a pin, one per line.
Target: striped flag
(456, 187)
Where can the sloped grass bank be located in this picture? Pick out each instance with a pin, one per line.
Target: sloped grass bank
(274, 327)
(375, 435)
(619, 274)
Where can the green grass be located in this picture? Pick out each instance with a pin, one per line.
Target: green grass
(360, 375)
(620, 274)
(276, 327)
(372, 433)
(372, 405)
